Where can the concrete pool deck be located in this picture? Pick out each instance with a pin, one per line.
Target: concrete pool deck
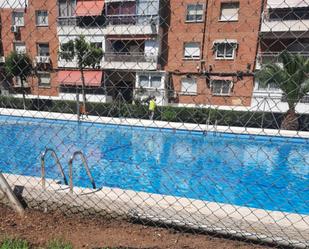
(281, 228)
(155, 123)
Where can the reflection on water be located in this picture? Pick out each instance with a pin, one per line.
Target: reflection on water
(261, 172)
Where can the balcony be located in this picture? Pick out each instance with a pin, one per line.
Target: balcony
(130, 57)
(280, 4)
(132, 19)
(132, 24)
(284, 26)
(273, 57)
(283, 16)
(135, 61)
(67, 21)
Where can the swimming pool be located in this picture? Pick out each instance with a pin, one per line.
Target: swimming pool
(254, 171)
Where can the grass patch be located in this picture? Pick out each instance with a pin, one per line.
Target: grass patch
(10, 243)
(59, 244)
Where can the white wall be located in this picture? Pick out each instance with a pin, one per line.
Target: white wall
(160, 93)
(70, 96)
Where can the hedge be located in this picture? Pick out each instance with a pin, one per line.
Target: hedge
(166, 113)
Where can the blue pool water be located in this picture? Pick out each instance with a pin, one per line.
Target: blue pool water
(254, 171)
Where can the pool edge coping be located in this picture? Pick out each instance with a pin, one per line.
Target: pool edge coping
(155, 123)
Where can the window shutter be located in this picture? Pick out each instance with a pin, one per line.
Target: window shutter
(188, 86)
(192, 50)
(229, 11)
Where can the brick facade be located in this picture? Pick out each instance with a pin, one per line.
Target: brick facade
(245, 31)
(31, 35)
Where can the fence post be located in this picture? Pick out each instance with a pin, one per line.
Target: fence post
(5, 187)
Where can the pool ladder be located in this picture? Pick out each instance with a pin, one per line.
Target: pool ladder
(54, 155)
(215, 126)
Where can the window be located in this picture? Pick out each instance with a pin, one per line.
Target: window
(66, 8)
(229, 11)
(188, 86)
(195, 13)
(155, 81)
(43, 49)
(192, 50)
(221, 87)
(121, 8)
(150, 81)
(41, 18)
(225, 50)
(44, 79)
(20, 47)
(18, 19)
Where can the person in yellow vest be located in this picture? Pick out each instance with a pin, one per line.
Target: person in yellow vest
(152, 107)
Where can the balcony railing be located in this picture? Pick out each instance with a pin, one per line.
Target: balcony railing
(67, 21)
(132, 19)
(304, 100)
(274, 57)
(129, 57)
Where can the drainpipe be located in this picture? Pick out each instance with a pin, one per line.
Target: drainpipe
(206, 35)
(257, 45)
(203, 61)
(260, 25)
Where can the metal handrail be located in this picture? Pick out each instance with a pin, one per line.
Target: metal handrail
(215, 127)
(86, 167)
(54, 155)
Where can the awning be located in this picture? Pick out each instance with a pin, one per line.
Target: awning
(229, 78)
(275, 4)
(231, 41)
(89, 8)
(129, 37)
(73, 78)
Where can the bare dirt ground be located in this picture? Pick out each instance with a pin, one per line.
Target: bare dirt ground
(96, 232)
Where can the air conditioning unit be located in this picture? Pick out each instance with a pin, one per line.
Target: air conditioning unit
(14, 29)
(17, 82)
(2, 59)
(42, 59)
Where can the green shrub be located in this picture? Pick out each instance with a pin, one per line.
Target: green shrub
(167, 113)
(58, 244)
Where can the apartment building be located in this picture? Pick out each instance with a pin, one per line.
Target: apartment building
(129, 33)
(284, 27)
(29, 26)
(212, 47)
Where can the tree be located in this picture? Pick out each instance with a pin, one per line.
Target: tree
(19, 65)
(87, 55)
(292, 78)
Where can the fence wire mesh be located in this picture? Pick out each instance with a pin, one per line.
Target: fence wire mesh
(177, 112)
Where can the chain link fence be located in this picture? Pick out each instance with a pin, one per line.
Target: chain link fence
(182, 113)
